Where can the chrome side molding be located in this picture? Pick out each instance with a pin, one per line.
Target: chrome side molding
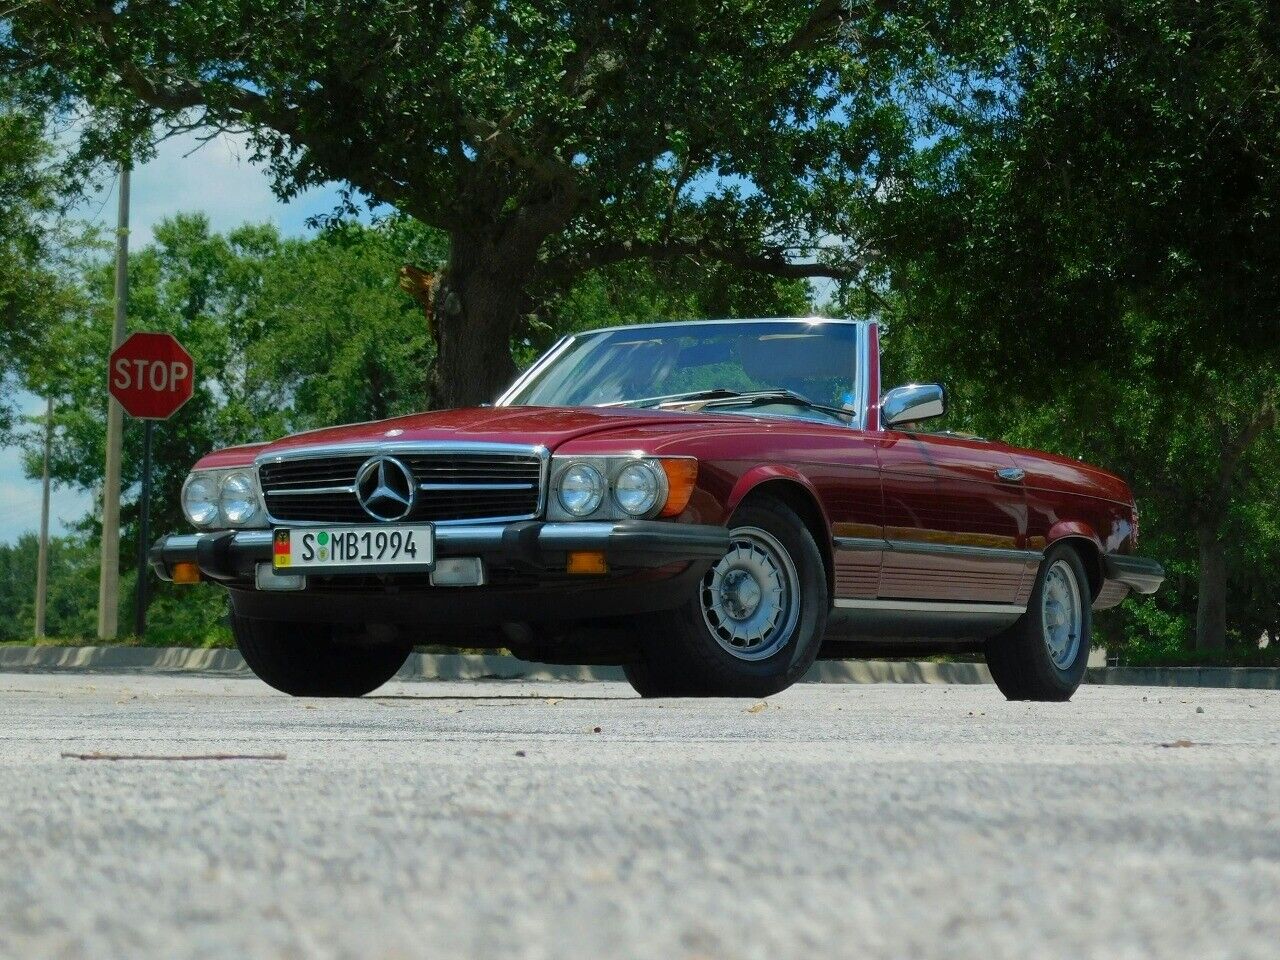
(949, 607)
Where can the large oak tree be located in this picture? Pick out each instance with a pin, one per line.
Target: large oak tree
(545, 138)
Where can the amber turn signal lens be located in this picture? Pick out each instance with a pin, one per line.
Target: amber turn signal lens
(185, 572)
(586, 561)
(681, 473)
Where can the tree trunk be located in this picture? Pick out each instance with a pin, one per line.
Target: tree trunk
(1211, 602)
(474, 311)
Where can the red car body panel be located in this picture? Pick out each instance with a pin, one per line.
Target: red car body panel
(897, 510)
(546, 426)
(238, 456)
(1067, 498)
(899, 486)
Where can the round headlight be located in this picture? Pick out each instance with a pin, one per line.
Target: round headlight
(239, 501)
(637, 488)
(200, 500)
(581, 489)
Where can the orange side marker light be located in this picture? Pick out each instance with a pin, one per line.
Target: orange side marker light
(682, 473)
(586, 562)
(185, 572)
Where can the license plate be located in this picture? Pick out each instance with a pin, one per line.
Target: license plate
(353, 548)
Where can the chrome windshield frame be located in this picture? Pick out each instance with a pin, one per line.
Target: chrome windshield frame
(862, 362)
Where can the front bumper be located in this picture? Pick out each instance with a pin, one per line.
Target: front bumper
(653, 565)
(532, 545)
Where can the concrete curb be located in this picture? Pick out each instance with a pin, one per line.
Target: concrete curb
(429, 666)
(1244, 678)
(122, 660)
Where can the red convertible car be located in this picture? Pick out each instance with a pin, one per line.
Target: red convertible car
(713, 505)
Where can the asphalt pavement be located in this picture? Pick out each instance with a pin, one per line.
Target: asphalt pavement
(571, 820)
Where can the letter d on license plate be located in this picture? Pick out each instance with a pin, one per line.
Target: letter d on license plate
(353, 549)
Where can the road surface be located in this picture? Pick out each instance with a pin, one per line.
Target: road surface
(514, 820)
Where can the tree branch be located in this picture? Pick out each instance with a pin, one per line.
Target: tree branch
(174, 95)
(824, 23)
(1264, 418)
(771, 262)
(547, 168)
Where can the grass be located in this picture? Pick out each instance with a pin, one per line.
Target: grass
(164, 640)
(1263, 657)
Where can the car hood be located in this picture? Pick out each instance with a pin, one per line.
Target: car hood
(539, 426)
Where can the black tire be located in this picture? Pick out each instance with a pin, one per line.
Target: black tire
(1020, 659)
(650, 683)
(681, 657)
(317, 659)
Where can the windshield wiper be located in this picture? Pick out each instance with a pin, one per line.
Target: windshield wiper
(722, 396)
(772, 396)
(715, 393)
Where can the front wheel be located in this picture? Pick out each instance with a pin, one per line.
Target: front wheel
(756, 623)
(317, 659)
(1043, 656)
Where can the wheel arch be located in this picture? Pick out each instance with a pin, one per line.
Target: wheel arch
(794, 491)
(1090, 554)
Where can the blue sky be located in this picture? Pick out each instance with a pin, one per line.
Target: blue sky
(216, 179)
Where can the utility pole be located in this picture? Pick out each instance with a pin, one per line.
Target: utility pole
(109, 571)
(42, 561)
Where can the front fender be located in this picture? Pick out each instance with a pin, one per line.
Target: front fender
(769, 473)
(1074, 528)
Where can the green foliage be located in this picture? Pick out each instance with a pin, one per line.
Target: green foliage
(177, 616)
(1088, 251)
(604, 117)
(32, 236)
(547, 139)
(187, 616)
(73, 588)
(628, 293)
(337, 340)
(286, 335)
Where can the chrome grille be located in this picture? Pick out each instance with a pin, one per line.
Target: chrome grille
(479, 483)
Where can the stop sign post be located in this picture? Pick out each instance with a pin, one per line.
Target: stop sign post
(152, 376)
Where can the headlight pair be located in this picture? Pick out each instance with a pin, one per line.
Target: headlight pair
(620, 487)
(223, 498)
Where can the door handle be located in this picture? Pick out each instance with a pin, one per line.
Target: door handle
(1012, 474)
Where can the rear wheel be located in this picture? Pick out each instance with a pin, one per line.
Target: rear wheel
(1043, 656)
(756, 623)
(317, 659)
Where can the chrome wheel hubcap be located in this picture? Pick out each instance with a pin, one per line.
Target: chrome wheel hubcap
(751, 598)
(1061, 614)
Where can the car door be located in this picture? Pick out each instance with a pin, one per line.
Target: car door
(849, 486)
(955, 520)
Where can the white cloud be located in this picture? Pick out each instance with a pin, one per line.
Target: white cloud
(215, 178)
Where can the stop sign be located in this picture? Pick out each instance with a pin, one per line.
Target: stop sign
(151, 375)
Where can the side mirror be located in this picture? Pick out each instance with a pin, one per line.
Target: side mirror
(914, 402)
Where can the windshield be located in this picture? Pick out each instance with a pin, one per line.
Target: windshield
(677, 364)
